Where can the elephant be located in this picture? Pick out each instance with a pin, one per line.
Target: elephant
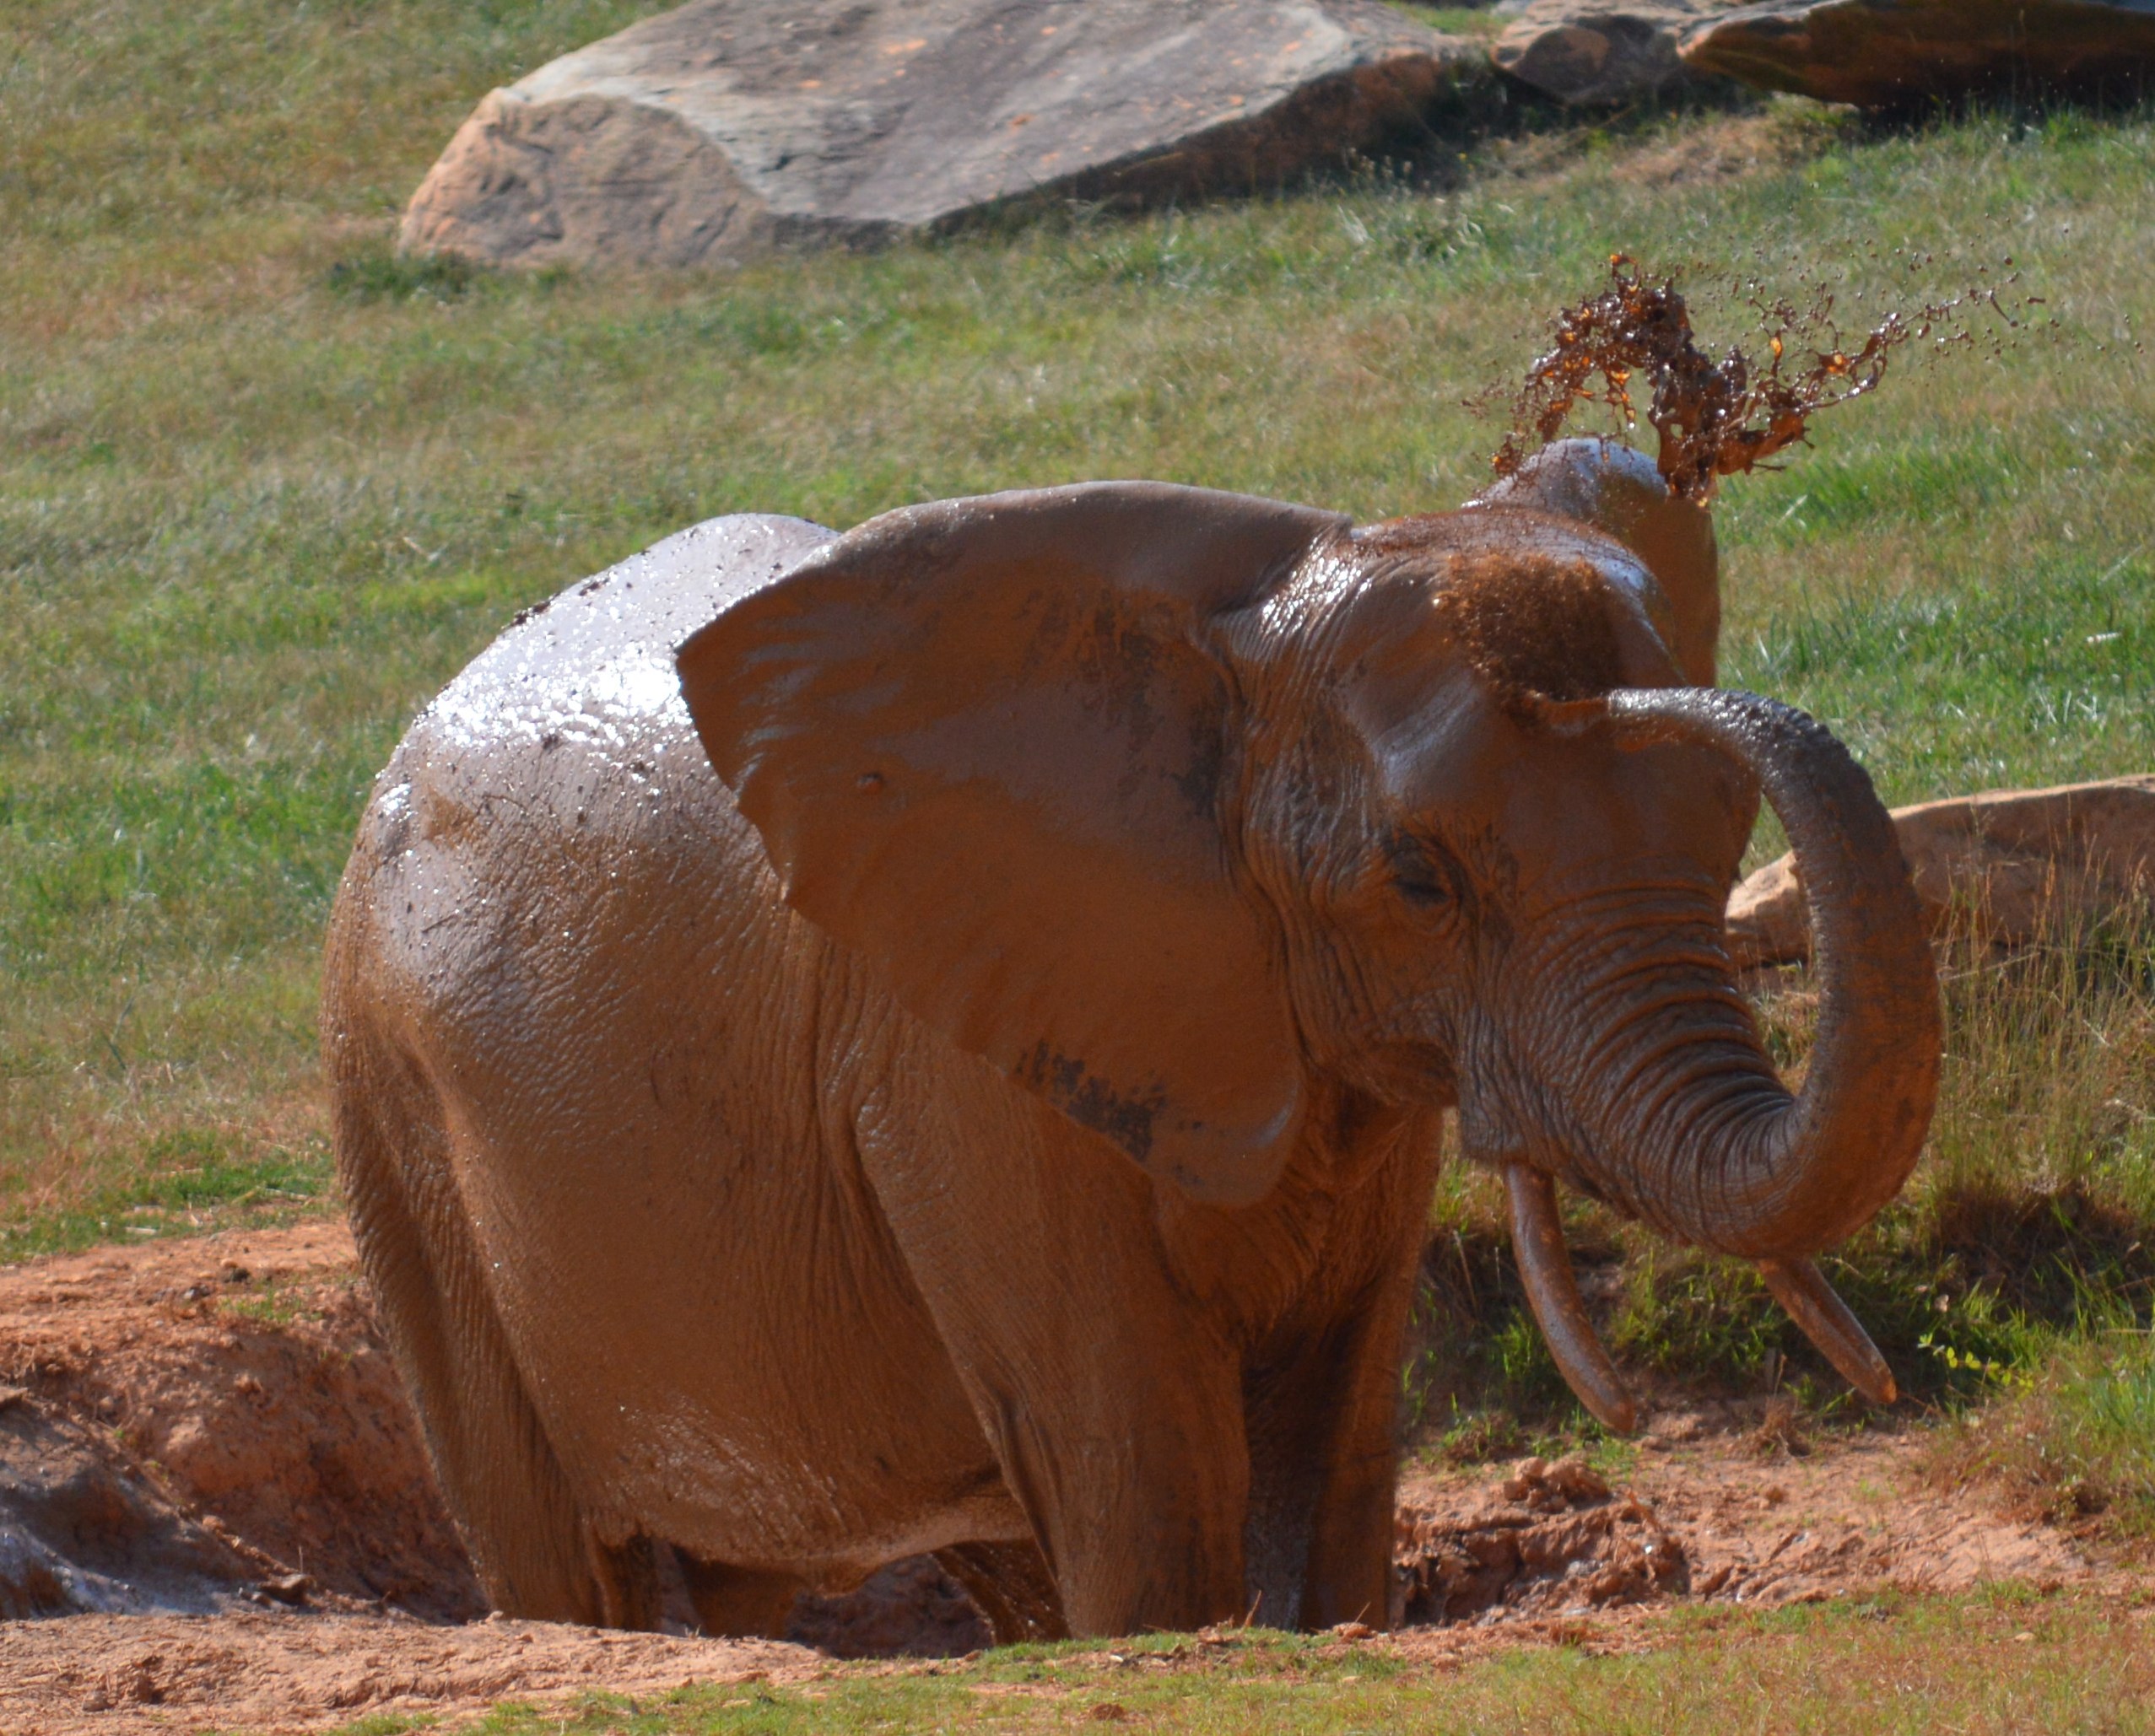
(937, 1038)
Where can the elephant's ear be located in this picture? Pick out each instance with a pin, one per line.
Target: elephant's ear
(984, 742)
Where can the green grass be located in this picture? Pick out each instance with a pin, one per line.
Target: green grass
(264, 486)
(2075, 1441)
(1475, 22)
(2008, 1662)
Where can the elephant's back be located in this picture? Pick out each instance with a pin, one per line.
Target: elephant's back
(552, 802)
(594, 665)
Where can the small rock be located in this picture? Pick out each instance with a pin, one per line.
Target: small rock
(1535, 1483)
(293, 1588)
(1588, 53)
(1885, 54)
(1676, 1427)
(142, 1684)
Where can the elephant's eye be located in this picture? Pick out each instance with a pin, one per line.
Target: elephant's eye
(1423, 872)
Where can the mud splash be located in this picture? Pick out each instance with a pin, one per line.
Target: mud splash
(1718, 418)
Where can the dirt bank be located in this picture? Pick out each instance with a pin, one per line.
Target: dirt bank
(214, 1501)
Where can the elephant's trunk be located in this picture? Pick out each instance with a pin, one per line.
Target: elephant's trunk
(1788, 1179)
(1684, 1123)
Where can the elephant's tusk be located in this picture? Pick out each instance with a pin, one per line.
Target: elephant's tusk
(1552, 1292)
(1799, 1286)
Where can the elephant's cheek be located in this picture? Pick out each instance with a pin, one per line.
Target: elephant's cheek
(1480, 1130)
(1494, 1096)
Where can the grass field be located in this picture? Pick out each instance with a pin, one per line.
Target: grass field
(1978, 1665)
(263, 486)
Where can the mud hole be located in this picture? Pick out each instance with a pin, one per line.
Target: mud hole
(213, 1500)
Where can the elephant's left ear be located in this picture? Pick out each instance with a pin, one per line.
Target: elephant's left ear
(984, 742)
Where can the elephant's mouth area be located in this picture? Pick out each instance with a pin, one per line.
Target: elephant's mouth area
(1553, 1293)
(1409, 1058)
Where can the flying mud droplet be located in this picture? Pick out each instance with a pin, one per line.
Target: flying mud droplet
(1717, 418)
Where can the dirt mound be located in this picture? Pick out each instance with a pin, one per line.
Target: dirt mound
(1548, 1539)
(202, 1426)
(103, 1673)
(1729, 1504)
(1765, 1517)
(213, 1422)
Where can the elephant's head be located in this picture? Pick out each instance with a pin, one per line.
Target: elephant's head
(1169, 803)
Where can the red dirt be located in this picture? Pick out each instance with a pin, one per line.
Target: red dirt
(99, 1675)
(213, 1497)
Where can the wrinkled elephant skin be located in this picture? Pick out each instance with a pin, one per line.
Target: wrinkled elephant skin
(993, 1111)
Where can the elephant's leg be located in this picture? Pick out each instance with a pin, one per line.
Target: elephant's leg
(1322, 1399)
(1353, 1459)
(1127, 1455)
(630, 1594)
(1113, 1407)
(739, 1602)
(1010, 1586)
(535, 1554)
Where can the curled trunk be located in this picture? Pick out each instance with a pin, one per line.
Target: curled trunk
(1763, 1173)
(1679, 1118)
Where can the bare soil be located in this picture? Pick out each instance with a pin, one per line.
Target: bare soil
(214, 1502)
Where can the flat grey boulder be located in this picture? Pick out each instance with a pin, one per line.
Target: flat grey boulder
(714, 132)
(2005, 867)
(1885, 54)
(1599, 53)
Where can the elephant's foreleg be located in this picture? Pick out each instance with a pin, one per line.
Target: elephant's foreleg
(739, 1602)
(1135, 1488)
(1349, 1577)
(1112, 1409)
(1010, 1585)
(1323, 1420)
(1322, 1468)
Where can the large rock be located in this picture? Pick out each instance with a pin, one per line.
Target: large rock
(1882, 54)
(1595, 53)
(2004, 866)
(711, 133)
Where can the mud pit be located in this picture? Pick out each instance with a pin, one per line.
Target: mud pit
(214, 1501)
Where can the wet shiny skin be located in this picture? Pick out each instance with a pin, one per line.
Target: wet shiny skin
(1042, 1161)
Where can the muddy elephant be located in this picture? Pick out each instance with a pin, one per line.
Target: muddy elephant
(959, 1066)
